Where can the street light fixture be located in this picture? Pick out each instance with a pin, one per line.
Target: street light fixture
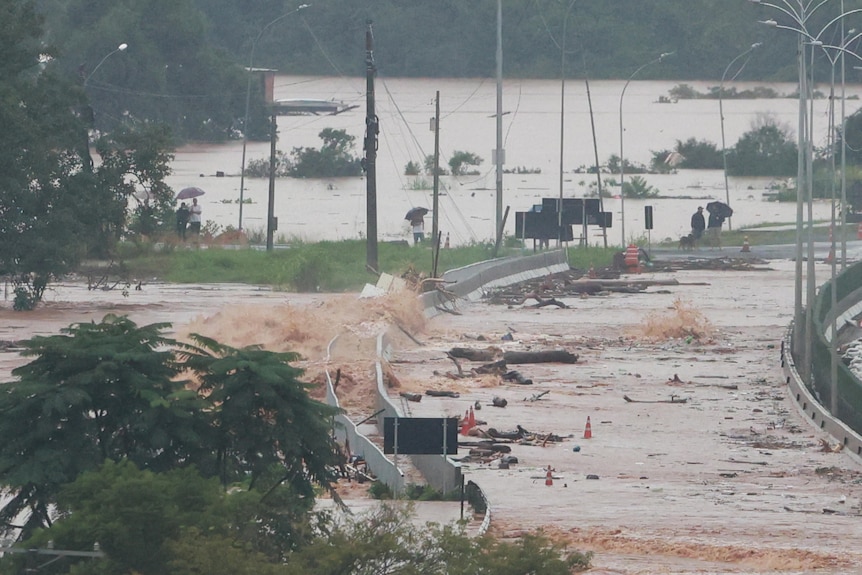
(250, 71)
(622, 158)
(121, 48)
(753, 47)
(802, 335)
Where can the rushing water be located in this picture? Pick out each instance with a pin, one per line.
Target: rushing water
(330, 209)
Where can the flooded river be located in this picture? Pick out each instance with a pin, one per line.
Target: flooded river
(331, 209)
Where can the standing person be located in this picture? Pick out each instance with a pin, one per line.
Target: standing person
(418, 230)
(698, 224)
(195, 217)
(713, 228)
(183, 215)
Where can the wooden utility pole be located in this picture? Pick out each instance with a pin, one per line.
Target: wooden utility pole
(435, 222)
(271, 222)
(372, 129)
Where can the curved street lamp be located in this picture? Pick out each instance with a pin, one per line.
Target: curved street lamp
(250, 70)
(803, 319)
(121, 48)
(753, 47)
(622, 158)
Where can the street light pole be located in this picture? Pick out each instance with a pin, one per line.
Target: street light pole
(248, 100)
(121, 48)
(622, 158)
(802, 335)
(721, 114)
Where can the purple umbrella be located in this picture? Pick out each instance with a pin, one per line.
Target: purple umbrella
(188, 193)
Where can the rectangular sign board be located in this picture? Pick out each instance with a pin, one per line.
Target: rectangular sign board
(421, 435)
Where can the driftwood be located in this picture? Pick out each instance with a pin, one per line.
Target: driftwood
(673, 399)
(457, 365)
(542, 302)
(470, 354)
(517, 378)
(499, 402)
(549, 356)
(408, 334)
(538, 396)
(442, 393)
(411, 396)
(491, 355)
(498, 367)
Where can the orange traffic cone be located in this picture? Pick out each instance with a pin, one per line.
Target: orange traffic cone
(549, 478)
(745, 246)
(588, 430)
(471, 418)
(465, 423)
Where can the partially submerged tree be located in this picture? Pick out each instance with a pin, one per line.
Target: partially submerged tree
(461, 162)
(333, 159)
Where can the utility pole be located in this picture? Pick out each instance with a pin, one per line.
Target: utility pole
(271, 222)
(435, 222)
(499, 153)
(372, 129)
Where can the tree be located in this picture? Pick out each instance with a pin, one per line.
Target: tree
(55, 208)
(460, 160)
(114, 391)
(43, 231)
(764, 151)
(135, 163)
(333, 159)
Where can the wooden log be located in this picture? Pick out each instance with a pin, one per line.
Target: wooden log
(442, 393)
(470, 354)
(411, 396)
(498, 367)
(548, 356)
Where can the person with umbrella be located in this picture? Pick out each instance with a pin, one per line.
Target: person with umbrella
(718, 212)
(416, 217)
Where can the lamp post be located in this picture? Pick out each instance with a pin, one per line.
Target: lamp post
(753, 47)
(622, 158)
(121, 48)
(248, 100)
(799, 14)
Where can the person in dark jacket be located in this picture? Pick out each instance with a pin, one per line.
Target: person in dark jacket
(698, 224)
(182, 220)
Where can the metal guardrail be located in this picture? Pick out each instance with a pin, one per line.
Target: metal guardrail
(468, 282)
(812, 397)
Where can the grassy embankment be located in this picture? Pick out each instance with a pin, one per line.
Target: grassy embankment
(324, 266)
(340, 266)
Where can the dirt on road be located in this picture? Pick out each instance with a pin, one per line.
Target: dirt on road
(698, 460)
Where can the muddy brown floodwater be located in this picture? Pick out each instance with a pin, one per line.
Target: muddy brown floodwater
(732, 480)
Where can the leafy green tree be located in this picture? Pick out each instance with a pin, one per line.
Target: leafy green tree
(135, 163)
(764, 151)
(333, 159)
(429, 166)
(43, 176)
(387, 541)
(699, 155)
(171, 72)
(637, 187)
(460, 161)
(114, 391)
(95, 392)
(265, 418)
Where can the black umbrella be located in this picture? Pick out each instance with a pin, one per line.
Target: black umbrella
(188, 193)
(719, 209)
(414, 214)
